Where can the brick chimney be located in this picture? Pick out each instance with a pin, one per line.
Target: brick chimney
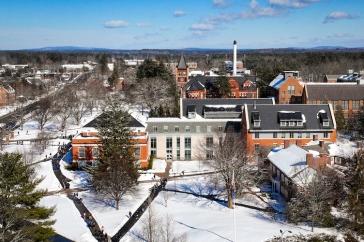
(310, 160)
(321, 143)
(286, 144)
(299, 143)
(314, 137)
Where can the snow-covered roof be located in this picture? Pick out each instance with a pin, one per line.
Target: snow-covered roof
(290, 161)
(277, 82)
(344, 149)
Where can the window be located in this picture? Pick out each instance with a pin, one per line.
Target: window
(153, 146)
(209, 154)
(220, 128)
(291, 123)
(283, 123)
(308, 135)
(137, 153)
(198, 130)
(165, 128)
(187, 129)
(169, 143)
(178, 143)
(275, 135)
(95, 153)
(299, 135)
(326, 135)
(291, 135)
(325, 123)
(176, 129)
(81, 153)
(187, 154)
(208, 129)
(256, 135)
(209, 142)
(155, 129)
(300, 123)
(291, 90)
(283, 135)
(256, 147)
(178, 155)
(345, 105)
(187, 143)
(356, 105)
(256, 124)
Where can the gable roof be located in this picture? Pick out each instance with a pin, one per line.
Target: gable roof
(309, 114)
(96, 122)
(334, 91)
(182, 63)
(201, 82)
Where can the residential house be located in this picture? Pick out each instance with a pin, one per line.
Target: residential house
(350, 96)
(289, 87)
(266, 126)
(202, 123)
(86, 145)
(7, 94)
(292, 167)
(205, 87)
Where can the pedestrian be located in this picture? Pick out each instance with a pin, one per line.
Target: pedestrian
(130, 214)
(102, 229)
(84, 215)
(154, 177)
(183, 173)
(27, 131)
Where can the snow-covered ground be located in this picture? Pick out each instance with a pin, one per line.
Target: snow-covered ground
(204, 220)
(68, 221)
(189, 167)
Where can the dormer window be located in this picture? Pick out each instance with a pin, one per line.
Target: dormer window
(283, 123)
(256, 119)
(256, 124)
(300, 123)
(326, 124)
(291, 124)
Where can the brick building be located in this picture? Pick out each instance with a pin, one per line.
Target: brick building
(350, 96)
(203, 87)
(289, 87)
(7, 95)
(86, 146)
(182, 70)
(268, 126)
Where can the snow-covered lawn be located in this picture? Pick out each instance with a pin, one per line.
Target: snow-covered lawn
(104, 210)
(68, 220)
(189, 167)
(203, 220)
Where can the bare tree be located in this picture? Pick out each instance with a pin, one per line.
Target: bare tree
(232, 164)
(78, 111)
(44, 112)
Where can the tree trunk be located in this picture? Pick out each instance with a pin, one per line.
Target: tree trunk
(117, 203)
(230, 199)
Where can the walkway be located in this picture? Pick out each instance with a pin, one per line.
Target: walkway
(84, 212)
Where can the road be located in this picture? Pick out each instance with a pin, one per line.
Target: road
(11, 119)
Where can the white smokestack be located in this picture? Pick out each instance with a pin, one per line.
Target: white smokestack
(235, 57)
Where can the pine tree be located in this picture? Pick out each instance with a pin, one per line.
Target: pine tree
(116, 173)
(355, 184)
(223, 86)
(21, 218)
(112, 80)
(103, 64)
(161, 111)
(360, 121)
(339, 117)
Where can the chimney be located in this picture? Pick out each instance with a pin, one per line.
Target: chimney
(298, 143)
(315, 137)
(286, 144)
(310, 160)
(321, 143)
(235, 57)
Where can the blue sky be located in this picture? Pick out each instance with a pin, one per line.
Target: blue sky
(136, 24)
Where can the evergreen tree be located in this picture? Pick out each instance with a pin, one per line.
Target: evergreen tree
(360, 121)
(223, 86)
(339, 117)
(355, 184)
(113, 79)
(116, 173)
(21, 218)
(161, 111)
(103, 64)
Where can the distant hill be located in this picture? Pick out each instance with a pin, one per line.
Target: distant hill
(194, 50)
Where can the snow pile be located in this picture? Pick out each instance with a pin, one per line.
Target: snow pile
(344, 149)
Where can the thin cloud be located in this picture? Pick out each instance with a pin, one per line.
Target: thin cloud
(202, 27)
(112, 24)
(179, 13)
(338, 15)
(292, 3)
(220, 3)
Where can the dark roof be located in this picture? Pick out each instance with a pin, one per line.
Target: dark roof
(269, 116)
(334, 91)
(201, 82)
(182, 63)
(289, 115)
(201, 103)
(96, 122)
